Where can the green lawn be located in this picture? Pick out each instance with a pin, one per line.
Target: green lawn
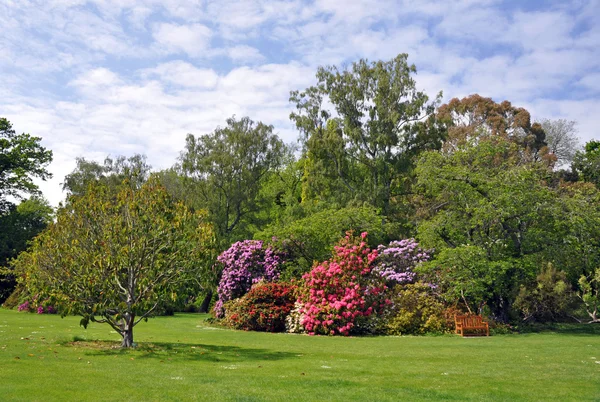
(183, 358)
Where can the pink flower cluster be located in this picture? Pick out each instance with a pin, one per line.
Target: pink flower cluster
(339, 291)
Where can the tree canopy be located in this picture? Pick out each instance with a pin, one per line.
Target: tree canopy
(116, 260)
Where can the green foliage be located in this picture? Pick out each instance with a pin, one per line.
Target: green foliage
(228, 167)
(18, 226)
(366, 152)
(312, 238)
(415, 310)
(22, 158)
(587, 162)
(589, 293)
(117, 259)
(489, 218)
(547, 299)
(112, 173)
(264, 308)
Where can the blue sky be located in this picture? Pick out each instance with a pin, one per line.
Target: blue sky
(118, 77)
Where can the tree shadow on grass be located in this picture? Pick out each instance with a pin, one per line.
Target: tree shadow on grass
(183, 351)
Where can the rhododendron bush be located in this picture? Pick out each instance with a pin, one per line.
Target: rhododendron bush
(244, 264)
(396, 261)
(264, 308)
(338, 293)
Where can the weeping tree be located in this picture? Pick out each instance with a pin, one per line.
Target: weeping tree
(117, 258)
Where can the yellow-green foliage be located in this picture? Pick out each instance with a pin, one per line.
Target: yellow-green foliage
(415, 310)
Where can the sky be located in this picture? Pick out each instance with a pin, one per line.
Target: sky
(119, 77)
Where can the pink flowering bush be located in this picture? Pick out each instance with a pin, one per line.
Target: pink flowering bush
(244, 264)
(337, 294)
(43, 308)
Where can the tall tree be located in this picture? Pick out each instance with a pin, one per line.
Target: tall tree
(476, 117)
(112, 172)
(562, 140)
(488, 216)
(117, 258)
(228, 167)
(22, 158)
(379, 122)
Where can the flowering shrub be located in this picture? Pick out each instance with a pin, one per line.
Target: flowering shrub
(264, 308)
(337, 293)
(395, 262)
(244, 264)
(43, 308)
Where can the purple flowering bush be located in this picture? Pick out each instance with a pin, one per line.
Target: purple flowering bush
(244, 264)
(396, 261)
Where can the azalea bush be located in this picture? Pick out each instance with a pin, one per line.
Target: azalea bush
(397, 260)
(337, 294)
(37, 307)
(244, 264)
(264, 308)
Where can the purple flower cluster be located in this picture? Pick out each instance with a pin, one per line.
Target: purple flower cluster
(396, 261)
(244, 264)
(23, 307)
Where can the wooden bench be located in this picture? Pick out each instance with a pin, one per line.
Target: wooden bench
(470, 322)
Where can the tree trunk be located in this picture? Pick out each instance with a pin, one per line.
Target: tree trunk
(206, 302)
(127, 333)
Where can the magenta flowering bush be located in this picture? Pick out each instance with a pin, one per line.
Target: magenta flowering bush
(337, 293)
(396, 261)
(43, 308)
(244, 264)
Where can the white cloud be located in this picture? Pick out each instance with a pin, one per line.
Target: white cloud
(243, 53)
(191, 39)
(183, 74)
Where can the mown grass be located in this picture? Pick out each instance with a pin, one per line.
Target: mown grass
(47, 358)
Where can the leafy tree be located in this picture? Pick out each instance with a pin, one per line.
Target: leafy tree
(562, 140)
(22, 158)
(117, 258)
(382, 123)
(228, 167)
(17, 228)
(476, 117)
(112, 172)
(488, 217)
(587, 162)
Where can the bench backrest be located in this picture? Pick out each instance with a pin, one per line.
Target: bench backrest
(468, 320)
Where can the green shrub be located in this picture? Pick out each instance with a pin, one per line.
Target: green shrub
(264, 308)
(548, 299)
(414, 310)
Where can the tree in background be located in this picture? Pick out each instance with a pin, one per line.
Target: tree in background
(116, 258)
(18, 227)
(228, 167)
(562, 140)
(112, 172)
(476, 117)
(363, 148)
(587, 162)
(21, 159)
(488, 216)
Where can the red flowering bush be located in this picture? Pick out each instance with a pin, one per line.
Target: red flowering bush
(339, 293)
(263, 308)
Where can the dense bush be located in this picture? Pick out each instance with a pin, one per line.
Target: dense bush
(549, 298)
(414, 310)
(244, 264)
(264, 308)
(338, 293)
